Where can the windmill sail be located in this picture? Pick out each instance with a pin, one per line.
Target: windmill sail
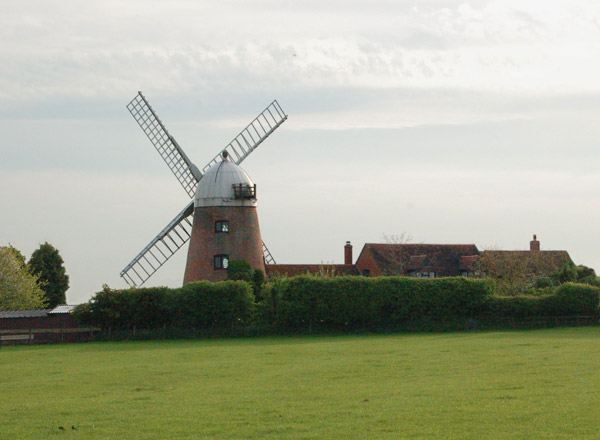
(160, 249)
(267, 255)
(166, 145)
(253, 135)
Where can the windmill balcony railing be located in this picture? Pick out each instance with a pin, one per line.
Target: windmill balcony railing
(243, 191)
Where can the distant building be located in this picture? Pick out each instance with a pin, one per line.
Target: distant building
(428, 261)
(417, 260)
(292, 270)
(447, 260)
(41, 326)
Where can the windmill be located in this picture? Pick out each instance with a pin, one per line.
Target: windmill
(179, 230)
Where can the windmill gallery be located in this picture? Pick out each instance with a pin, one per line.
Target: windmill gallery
(221, 221)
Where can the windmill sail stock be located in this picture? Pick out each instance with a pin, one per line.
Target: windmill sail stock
(178, 231)
(160, 249)
(182, 167)
(253, 135)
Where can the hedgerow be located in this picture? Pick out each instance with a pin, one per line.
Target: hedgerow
(201, 305)
(340, 304)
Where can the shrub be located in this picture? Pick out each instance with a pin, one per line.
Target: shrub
(575, 299)
(569, 299)
(201, 305)
(304, 302)
(207, 305)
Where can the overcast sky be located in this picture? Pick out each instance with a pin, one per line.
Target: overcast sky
(454, 122)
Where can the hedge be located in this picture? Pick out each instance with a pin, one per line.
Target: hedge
(201, 305)
(356, 303)
(316, 304)
(569, 299)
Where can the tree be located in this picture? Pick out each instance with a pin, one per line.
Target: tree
(258, 281)
(576, 274)
(19, 290)
(516, 272)
(47, 264)
(17, 253)
(401, 238)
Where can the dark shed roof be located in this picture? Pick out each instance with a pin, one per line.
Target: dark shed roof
(7, 314)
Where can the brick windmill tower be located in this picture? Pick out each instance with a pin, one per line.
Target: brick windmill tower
(225, 224)
(223, 206)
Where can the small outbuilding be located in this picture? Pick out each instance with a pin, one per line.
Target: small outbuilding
(42, 326)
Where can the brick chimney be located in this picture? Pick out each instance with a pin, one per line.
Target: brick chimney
(348, 254)
(534, 245)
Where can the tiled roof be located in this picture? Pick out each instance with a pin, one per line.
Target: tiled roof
(535, 261)
(24, 313)
(398, 259)
(291, 270)
(467, 262)
(417, 262)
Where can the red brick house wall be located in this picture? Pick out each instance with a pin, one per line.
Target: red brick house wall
(365, 262)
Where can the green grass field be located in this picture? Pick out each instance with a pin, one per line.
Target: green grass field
(500, 385)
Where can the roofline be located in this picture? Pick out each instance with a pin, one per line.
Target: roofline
(525, 250)
(421, 244)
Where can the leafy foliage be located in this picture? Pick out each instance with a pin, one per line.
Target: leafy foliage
(343, 304)
(200, 305)
(258, 281)
(17, 253)
(576, 274)
(353, 303)
(19, 290)
(516, 272)
(47, 264)
(239, 270)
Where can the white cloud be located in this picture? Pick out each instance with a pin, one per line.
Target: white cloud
(469, 121)
(97, 51)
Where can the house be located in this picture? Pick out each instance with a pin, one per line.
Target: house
(431, 261)
(417, 260)
(531, 263)
(292, 270)
(445, 260)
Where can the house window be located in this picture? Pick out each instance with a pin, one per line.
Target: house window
(422, 274)
(221, 261)
(366, 273)
(222, 226)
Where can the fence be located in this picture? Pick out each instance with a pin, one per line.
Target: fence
(47, 329)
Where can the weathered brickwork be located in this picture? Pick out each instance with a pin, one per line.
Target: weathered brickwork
(242, 242)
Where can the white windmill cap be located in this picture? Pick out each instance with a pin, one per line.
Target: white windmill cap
(225, 184)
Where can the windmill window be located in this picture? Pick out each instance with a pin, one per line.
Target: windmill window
(366, 272)
(244, 191)
(221, 261)
(222, 226)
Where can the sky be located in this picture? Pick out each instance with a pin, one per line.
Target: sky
(447, 121)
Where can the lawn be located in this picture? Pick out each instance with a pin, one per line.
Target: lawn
(541, 384)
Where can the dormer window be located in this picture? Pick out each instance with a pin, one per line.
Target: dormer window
(244, 191)
(222, 226)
